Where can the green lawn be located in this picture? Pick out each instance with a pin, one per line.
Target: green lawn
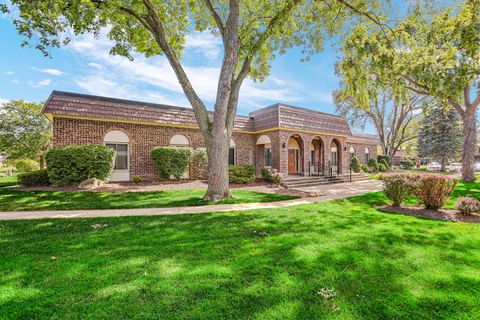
(259, 264)
(12, 200)
(8, 181)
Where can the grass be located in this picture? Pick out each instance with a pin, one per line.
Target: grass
(340, 259)
(13, 200)
(8, 181)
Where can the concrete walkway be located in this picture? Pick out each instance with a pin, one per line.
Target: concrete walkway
(329, 192)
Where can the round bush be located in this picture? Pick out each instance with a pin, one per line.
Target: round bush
(434, 190)
(27, 165)
(467, 205)
(72, 164)
(382, 167)
(272, 176)
(397, 187)
(35, 178)
(171, 161)
(199, 163)
(355, 164)
(243, 174)
(364, 167)
(372, 164)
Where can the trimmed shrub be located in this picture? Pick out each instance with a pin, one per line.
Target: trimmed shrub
(467, 205)
(27, 165)
(364, 167)
(385, 163)
(72, 164)
(137, 179)
(244, 173)
(199, 163)
(397, 187)
(171, 161)
(382, 167)
(355, 165)
(272, 176)
(407, 164)
(372, 164)
(434, 190)
(34, 178)
(383, 157)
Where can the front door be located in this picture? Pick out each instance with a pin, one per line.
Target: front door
(292, 161)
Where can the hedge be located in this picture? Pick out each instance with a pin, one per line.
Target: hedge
(27, 165)
(34, 178)
(383, 157)
(171, 161)
(243, 174)
(72, 164)
(355, 165)
(199, 162)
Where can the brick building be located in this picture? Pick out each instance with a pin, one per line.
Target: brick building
(294, 140)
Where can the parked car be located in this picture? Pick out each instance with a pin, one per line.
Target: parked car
(455, 167)
(434, 166)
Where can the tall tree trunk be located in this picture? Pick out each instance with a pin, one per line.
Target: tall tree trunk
(443, 167)
(218, 183)
(469, 144)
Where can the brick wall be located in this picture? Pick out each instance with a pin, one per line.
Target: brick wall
(143, 138)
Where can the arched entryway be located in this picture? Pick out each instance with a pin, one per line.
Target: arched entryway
(295, 152)
(119, 141)
(336, 156)
(316, 161)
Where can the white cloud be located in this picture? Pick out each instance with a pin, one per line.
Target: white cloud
(51, 71)
(9, 72)
(41, 83)
(15, 81)
(153, 79)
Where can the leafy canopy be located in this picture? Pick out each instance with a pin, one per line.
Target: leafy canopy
(24, 132)
(266, 27)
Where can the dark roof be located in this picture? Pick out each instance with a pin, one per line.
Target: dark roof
(365, 138)
(83, 105)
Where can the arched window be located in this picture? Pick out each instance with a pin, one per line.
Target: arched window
(119, 141)
(334, 150)
(232, 153)
(352, 153)
(267, 149)
(367, 155)
(179, 140)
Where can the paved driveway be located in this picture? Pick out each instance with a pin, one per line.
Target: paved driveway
(329, 192)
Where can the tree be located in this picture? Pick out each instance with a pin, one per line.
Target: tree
(24, 132)
(440, 136)
(392, 119)
(252, 32)
(430, 53)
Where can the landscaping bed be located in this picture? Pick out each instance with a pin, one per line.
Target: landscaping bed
(441, 214)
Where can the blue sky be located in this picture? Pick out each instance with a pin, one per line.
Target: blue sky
(86, 67)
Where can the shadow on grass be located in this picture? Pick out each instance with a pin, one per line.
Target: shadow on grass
(258, 264)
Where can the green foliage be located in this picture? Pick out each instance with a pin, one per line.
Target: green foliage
(381, 158)
(434, 190)
(27, 165)
(137, 179)
(244, 173)
(440, 136)
(272, 176)
(72, 164)
(407, 164)
(397, 187)
(364, 167)
(372, 164)
(385, 163)
(171, 161)
(34, 178)
(382, 167)
(199, 163)
(355, 164)
(24, 132)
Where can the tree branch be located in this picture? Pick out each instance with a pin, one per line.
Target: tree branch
(216, 17)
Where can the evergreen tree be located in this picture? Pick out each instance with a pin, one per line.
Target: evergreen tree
(441, 136)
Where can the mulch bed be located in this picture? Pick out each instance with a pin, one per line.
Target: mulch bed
(441, 214)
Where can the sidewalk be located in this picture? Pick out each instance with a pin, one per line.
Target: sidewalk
(330, 192)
